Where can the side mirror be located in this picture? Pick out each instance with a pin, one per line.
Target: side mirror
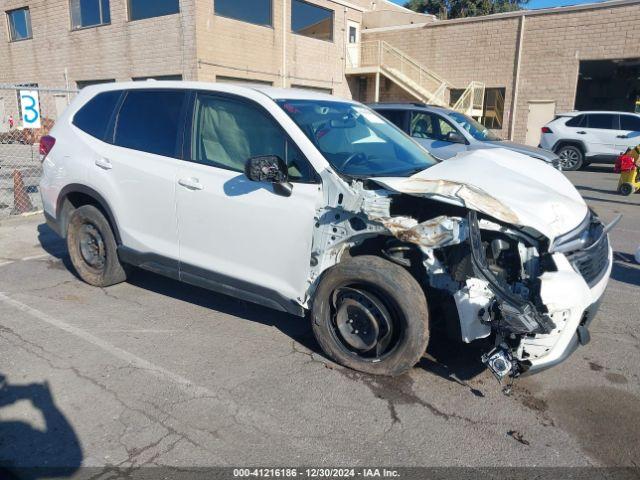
(269, 168)
(455, 137)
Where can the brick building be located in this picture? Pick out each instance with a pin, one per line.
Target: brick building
(514, 70)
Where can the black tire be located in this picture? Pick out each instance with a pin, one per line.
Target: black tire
(571, 157)
(361, 289)
(626, 189)
(92, 248)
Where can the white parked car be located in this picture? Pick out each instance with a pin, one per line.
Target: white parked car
(580, 138)
(309, 204)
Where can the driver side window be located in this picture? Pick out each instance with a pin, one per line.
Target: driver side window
(422, 126)
(227, 132)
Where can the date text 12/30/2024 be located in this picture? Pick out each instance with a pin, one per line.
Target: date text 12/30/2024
(315, 473)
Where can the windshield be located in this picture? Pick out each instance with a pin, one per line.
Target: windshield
(475, 129)
(355, 140)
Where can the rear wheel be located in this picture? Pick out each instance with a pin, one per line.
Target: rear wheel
(92, 248)
(571, 157)
(371, 315)
(625, 189)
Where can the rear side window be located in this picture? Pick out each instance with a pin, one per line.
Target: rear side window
(150, 121)
(394, 116)
(96, 114)
(603, 121)
(576, 121)
(629, 122)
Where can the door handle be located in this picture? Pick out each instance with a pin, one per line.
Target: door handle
(191, 183)
(104, 164)
(581, 132)
(622, 136)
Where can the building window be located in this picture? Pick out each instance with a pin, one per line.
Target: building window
(311, 20)
(87, 83)
(159, 78)
(328, 91)
(141, 9)
(251, 11)
(493, 114)
(250, 81)
(19, 24)
(89, 13)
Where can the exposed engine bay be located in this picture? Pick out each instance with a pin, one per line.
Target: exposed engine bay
(497, 272)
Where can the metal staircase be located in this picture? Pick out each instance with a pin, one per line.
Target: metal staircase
(494, 110)
(379, 57)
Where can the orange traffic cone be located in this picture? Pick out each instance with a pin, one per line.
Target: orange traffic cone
(21, 200)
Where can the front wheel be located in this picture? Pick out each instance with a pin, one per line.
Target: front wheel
(571, 157)
(371, 315)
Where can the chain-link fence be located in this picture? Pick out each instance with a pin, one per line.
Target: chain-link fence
(27, 113)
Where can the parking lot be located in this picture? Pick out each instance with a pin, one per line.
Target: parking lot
(154, 372)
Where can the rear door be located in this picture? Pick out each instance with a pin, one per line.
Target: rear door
(136, 170)
(599, 134)
(233, 231)
(629, 134)
(432, 131)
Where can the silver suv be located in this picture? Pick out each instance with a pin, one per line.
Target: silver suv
(445, 133)
(580, 138)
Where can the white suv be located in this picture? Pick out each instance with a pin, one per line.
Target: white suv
(580, 138)
(309, 204)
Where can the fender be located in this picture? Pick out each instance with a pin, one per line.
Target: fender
(97, 197)
(579, 143)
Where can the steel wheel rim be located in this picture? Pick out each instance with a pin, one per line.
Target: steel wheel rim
(362, 324)
(92, 247)
(569, 158)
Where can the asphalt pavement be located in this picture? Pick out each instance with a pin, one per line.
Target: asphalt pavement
(154, 372)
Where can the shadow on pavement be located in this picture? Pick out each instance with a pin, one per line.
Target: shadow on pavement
(598, 169)
(51, 242)
(625, 269)
(445, 358)
(31, 453)
(596, 199)
(294, 327)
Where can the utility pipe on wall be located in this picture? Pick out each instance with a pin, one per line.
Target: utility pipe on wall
(516, 81)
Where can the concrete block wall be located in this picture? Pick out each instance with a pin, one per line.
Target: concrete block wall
(121, 50)
(232, 48)
(554, 42)
(462, 52)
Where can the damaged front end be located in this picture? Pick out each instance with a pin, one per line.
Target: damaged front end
(509, 282)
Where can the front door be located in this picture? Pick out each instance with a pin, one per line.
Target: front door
(237, 232)
(353, 44)
(432, 132)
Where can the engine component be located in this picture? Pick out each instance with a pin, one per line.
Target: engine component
(500, 362)
(518, 315)
(473, 302)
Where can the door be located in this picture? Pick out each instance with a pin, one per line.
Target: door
(137, 173)
(629, 134)
(353, 44)
(433, 132)
(234, 231)
(600, 134)
(540, 113)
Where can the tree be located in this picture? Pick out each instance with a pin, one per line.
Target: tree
(445, 9)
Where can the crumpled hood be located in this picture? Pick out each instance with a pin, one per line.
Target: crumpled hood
(524, 192)
(534, 152)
